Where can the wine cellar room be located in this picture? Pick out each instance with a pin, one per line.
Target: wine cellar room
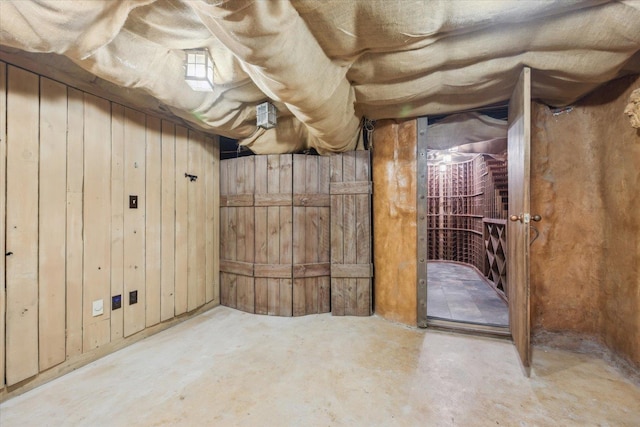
(467, 210)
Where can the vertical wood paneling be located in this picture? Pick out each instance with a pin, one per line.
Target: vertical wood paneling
(68, 164)
(308, 234)
(286, 241)
(195, 228)
(363, 234)
(168, 216)
(311, 231)
(337, 238)
(212, 209)
(192, 250)
(273, 233)
(250, 188)
(134, 221)
(75, 245)
(181, 183)
(22, 226)
(200, 229)
(232, 235)
(3, 205)
(153, 213)
(299, 237)
(351, 234)
(261, 241)
(245, 247)
(224, 227)
(117, 218)
(349, 200)
(242, 302)
(312, 234)
(52, 238)
(324, 238)
(96, 220)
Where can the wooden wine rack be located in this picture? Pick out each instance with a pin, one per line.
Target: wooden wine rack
(467, 209)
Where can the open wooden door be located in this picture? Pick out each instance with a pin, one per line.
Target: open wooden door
(518, 227)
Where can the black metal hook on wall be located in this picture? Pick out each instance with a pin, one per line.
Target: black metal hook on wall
(192, 178)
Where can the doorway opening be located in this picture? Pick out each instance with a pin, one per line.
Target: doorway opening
(467, 210)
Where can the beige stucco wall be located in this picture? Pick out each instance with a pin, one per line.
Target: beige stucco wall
(585, 181)
(394, 220)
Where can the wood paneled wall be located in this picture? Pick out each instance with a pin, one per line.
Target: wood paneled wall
(68, 164)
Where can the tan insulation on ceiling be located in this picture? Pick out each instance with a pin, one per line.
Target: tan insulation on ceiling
(327, 64)
(468, 132)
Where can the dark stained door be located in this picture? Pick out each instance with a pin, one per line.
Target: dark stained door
(518, 227)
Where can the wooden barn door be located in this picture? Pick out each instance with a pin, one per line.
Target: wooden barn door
(236, 233)
(311, 234)
(351, 267)
(518, 228)
(295, 234)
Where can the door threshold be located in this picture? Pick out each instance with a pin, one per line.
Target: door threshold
(469, 328)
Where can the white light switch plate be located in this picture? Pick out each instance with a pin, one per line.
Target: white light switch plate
(98, 307)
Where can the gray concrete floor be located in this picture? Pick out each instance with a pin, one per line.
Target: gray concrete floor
(228, 368)
(458, 292)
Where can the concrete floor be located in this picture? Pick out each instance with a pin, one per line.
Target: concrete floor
(459, 293)
(228, 368)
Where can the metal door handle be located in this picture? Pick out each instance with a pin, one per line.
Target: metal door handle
(525, 218)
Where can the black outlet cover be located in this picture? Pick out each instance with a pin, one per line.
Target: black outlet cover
(133, 297)
(116, 302)
(133, 202)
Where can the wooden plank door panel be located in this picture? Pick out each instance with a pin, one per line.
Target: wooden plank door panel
(324, 237)
(311, 250)
(256, 234)
(518, 231)
(299, 254)
(261, 240)
(285, 237)
(351, 268)
(363, 234)
(280, 239)
(232, 235)
(224, 231)
(245, 185)
(237, 233)
(337, 239)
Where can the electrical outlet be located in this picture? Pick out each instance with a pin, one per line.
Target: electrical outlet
(133, 297)
(116, 302)
(98, 308)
